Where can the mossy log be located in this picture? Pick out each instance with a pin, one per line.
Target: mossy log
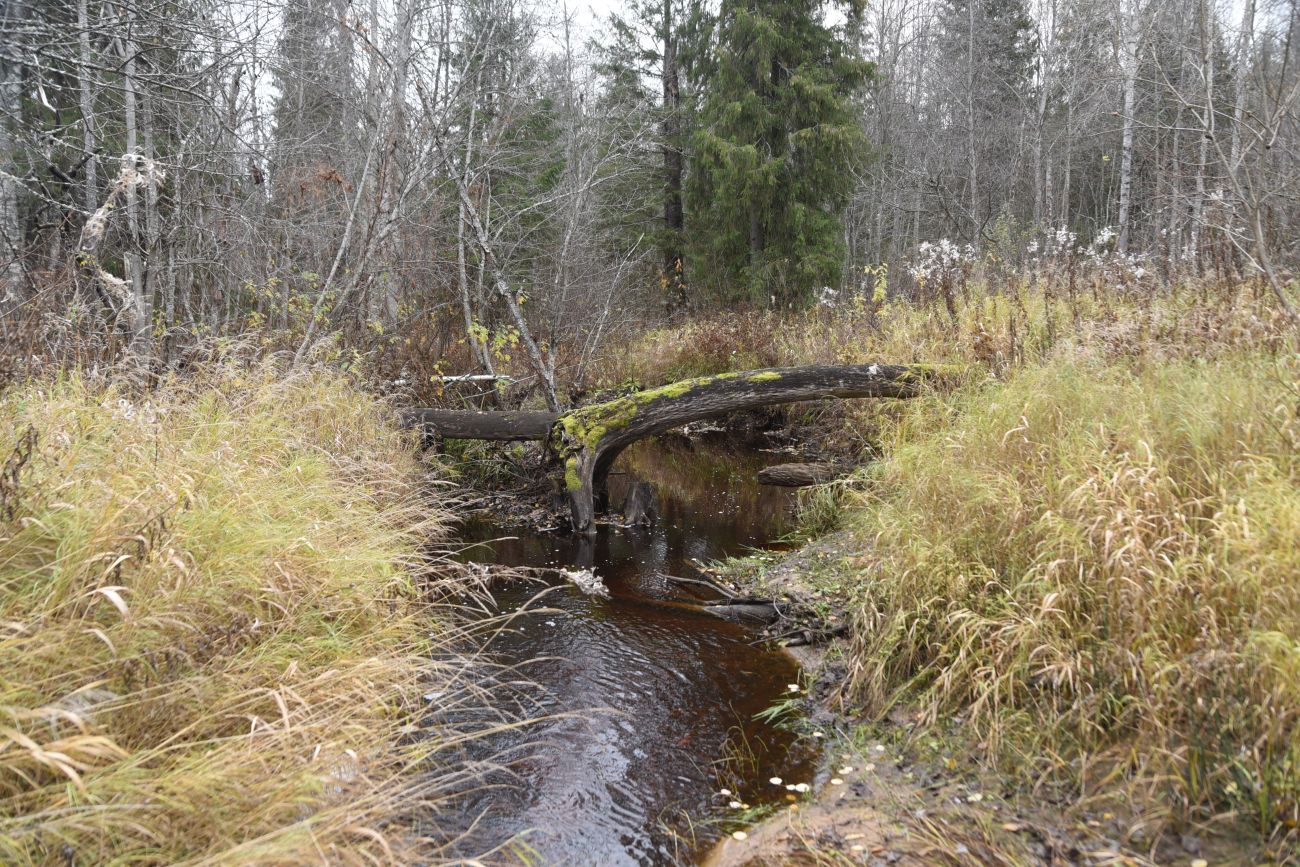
(587, 440)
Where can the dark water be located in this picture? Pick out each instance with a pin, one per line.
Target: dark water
(656, 697)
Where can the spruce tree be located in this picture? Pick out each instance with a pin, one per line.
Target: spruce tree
(989, 50)
(645, 47)
(775, 146)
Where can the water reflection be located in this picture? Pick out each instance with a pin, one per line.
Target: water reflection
(649, 692)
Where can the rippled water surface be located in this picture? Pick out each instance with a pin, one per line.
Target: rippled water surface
(655, 694)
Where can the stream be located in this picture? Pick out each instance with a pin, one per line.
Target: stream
(652, 705)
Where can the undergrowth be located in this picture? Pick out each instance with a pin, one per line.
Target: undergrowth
(214, 633)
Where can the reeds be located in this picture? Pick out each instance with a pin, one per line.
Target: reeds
(1095, 568)
(1084, 556)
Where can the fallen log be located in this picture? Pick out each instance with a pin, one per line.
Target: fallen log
(701, 583)
(458, 424)
(760, 613)
(587, 440)
(798, 475)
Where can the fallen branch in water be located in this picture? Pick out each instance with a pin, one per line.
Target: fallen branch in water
(798, 475)
(700, 582)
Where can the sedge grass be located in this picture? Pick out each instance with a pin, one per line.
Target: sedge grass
(1087, 550)
(1095, 566)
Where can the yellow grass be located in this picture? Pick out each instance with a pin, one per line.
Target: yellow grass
(212, 636)
(1095, 567)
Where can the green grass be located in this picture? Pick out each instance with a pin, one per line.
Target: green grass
(212, 633)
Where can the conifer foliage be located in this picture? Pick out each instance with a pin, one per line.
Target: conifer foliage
(776, 143)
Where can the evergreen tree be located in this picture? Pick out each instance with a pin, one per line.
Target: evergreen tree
(315, 111)
(776, 142)
(645, 46)
(317, 135)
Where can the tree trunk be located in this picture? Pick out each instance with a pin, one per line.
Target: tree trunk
(137, 319)
(11, 228)
(674, 275)
(639, 506)
(1129, 42)
(90, 183)
(469, 425)
(1244, 41)
(477, 348)
(971, 155)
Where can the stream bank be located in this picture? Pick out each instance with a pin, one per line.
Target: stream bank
(627, 671)
(906, 790)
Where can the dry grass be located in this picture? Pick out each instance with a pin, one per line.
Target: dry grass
(1087, 554)
(1095, 568)
(213, 633)
(994, 330)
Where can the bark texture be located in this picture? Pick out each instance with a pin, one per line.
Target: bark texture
(468, 425)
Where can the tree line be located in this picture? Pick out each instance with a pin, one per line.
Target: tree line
(485, 183)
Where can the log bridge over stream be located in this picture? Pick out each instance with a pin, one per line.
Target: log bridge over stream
(585, 441)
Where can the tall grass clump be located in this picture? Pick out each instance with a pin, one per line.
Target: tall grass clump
(212, 635)
(1095, 565)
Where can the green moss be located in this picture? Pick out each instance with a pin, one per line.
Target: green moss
(587, 426)
(673, 389)
(572, 481)
(765, 376)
